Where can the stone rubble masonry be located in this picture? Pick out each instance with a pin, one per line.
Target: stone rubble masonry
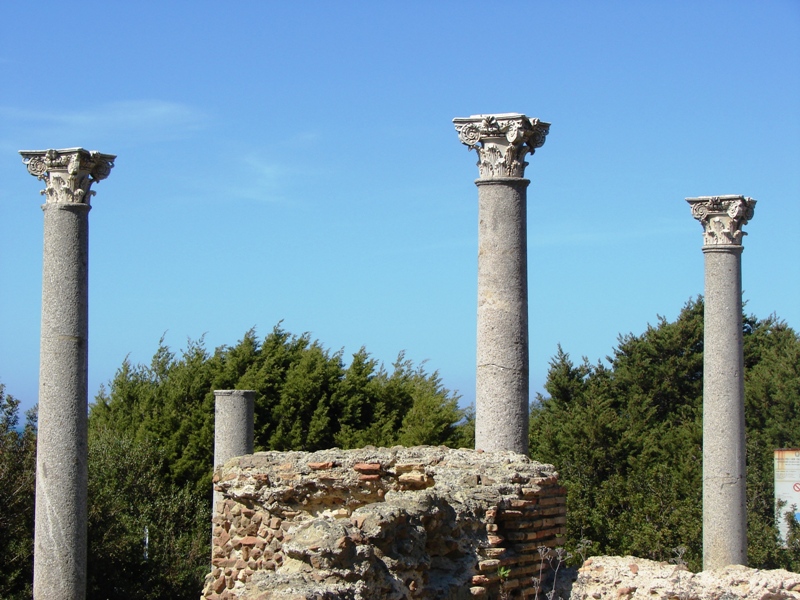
(629, 578)
(502, 380)
(60, 538)
(724, 494)
(389, 523)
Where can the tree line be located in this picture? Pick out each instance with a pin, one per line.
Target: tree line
(625, 434)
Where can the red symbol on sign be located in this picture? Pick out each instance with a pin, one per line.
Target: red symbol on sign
(796, 487)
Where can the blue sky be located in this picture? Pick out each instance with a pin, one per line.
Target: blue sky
(297, 162)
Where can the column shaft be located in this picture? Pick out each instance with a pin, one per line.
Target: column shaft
(61, 452)
(724, 492)
(502, 338)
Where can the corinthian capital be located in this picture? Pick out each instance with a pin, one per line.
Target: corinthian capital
(722, 218)
(502, 141)
(68, 174)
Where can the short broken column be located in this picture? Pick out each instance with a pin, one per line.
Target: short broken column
(502, 381)
(233, 427)
(60, 537)
(724, 492)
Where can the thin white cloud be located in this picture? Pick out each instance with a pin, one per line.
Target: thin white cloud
(249, 177)
(260, 181)
(256, 175)
(134, 120)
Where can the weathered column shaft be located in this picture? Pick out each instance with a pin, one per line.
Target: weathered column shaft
(233, 427)
(61, 449)
(724, 450)
(502, 382)
(724, 497)
(60, 537)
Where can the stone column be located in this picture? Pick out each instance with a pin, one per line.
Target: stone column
(724, 512)
(59, 564)
(502, 387)
(233, 427)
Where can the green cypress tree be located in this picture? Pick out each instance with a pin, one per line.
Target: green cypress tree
(626, 437)
(17, 486)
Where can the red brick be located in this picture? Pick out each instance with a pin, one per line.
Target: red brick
(522, 503)
(367, 467)
(319, 466)
(495, 540)
(488, 565)
(222, 539)
(553, 500)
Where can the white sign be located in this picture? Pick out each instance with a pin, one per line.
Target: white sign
(787, 487)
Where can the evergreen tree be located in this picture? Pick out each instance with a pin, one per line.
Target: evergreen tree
(626, 437)
(17, 487)
(305, 399)
(772, 416)
(148, 539)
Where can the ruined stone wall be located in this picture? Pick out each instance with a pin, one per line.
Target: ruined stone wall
(424, 522)
(631, 578)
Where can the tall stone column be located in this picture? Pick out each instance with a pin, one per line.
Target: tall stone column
(502, 383)
(724, 497)
(59, 564)
(233, 427)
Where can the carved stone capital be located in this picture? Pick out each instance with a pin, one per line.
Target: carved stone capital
(722, 218)
(502, 141)
(68, 174)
